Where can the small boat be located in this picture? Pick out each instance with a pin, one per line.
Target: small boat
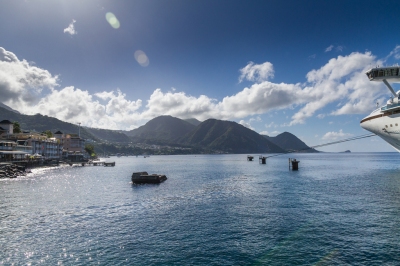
(145, 178)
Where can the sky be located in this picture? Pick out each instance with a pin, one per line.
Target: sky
(272, 66)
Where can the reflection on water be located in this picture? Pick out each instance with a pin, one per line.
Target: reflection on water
(213, 209)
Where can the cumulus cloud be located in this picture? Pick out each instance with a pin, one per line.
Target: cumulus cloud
(336, 135)
(257, 73)
(246, 124)
(71, 28)
(20, 82)
(30, 89)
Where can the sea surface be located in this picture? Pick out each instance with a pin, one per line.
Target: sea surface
(338, 209)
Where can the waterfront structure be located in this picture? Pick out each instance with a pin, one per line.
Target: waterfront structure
(19, 145)
(13, 145)
(71, 143)
(7, 126)
(9, 152)
(385, 121)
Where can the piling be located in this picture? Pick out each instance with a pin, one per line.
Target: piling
(294, 164)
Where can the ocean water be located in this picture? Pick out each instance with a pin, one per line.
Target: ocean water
(338, 209)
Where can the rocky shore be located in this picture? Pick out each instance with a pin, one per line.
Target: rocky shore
(11, 170)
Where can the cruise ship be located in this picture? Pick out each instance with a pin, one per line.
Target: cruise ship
(385, 120)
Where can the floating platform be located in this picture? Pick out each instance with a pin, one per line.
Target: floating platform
(101, 163)
(145, 178)
(250, 158)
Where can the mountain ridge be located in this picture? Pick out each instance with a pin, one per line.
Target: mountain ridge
(210, 136)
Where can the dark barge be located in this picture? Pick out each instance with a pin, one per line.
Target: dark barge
(145, 178)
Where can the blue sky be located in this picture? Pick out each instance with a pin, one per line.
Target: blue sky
(274, 66)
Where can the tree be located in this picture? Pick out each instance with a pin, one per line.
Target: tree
(17, 127)
(48, 133)
(89, 148)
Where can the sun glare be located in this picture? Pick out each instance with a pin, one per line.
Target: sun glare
(141, 58)
(112, 19)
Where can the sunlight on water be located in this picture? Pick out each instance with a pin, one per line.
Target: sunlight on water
(213, 210)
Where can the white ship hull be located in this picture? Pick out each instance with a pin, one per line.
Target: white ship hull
(385, 121)
(386, 126)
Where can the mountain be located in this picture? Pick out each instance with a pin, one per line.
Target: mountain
(108, 135)
(193, 121)
(41, 123)
(290, 142)
(210, 136)
(229, 137)
(161, 130)
(8, 108)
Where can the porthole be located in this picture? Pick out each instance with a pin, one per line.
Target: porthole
(386, 126)
(396, 124)
(391, 125)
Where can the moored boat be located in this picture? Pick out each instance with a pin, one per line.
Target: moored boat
(145, 178)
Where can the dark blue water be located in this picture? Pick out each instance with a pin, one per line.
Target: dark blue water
(338, 209)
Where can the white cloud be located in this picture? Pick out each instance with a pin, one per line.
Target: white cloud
(342, 78)
(329, 48)
(272, 124)
(270, 134)
(30, 89)
(336, 135)
(395, 53)
(20, 82)
(257, 119)
(257, 73)
(71, 28)
(179, 104)
(246, 124)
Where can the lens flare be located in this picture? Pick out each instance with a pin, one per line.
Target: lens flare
(112, 19)
(141, 58)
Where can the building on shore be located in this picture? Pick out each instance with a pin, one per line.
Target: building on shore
(72, 143)
(34, 144)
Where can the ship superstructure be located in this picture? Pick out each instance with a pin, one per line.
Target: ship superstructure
(385, 120)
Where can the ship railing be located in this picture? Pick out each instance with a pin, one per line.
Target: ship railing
(390, 106)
